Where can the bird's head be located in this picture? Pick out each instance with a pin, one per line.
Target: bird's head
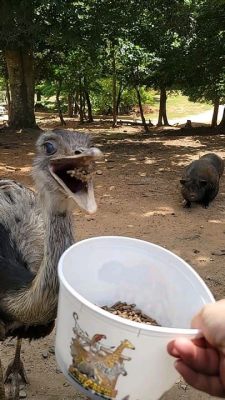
(63, 169)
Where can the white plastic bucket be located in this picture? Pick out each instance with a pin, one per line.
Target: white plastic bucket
(101, 271)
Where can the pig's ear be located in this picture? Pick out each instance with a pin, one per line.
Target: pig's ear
(203, 182)
(183, 181)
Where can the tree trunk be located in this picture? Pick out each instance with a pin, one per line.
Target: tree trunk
(114, 87)
(8, 98)
(2, 388)
(38, 95)
(222, 122)
(119, 98)
(70, 106)
(162, 119)
(141, 109)
(84, 104)
(59, 103)
(21, 81)
(89, 107)
(76, 109)
(81, 105)
(215, 112)
(76, 105)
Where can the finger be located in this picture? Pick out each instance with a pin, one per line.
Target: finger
(209, 384)
(172, 350)
(204, 360)
(211, 323)
(197, 321)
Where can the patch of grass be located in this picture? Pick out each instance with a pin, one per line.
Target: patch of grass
(179, 106)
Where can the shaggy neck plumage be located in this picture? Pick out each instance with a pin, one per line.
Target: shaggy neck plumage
(37, 304)
(58, 237)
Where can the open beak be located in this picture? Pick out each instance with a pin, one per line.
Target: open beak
(75, 176)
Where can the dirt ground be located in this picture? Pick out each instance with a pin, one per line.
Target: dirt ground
(138, 195)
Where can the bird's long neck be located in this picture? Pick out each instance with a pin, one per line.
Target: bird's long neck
(58, 237)
(37, 304)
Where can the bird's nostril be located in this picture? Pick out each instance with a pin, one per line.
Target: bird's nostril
(77, 152)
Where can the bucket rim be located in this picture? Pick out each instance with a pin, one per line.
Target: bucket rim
(139, 326)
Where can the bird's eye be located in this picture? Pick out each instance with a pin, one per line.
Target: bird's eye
(50, 148)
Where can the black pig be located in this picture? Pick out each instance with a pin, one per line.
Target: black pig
(200, 180)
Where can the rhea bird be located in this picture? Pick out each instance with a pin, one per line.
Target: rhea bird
(35, 229)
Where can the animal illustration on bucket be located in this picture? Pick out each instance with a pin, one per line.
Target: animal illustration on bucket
(94, 366)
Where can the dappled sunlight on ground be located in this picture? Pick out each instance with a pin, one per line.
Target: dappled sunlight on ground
(217, 221)
(159, 211)
(9, 169)
(189, 142)
(203, 259)
(149, 161)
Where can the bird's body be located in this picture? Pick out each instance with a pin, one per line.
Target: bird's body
(21, 217)
(21, 245)
(35, 229)
(22, 235)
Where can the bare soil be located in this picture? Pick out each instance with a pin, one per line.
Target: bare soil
(138, 194)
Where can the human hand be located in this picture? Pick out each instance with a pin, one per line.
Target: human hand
(201, 362)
